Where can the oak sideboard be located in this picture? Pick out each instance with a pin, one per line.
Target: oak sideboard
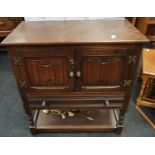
(84, 66)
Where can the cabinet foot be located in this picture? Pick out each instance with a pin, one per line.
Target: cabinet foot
(33, 131)
(119, 130)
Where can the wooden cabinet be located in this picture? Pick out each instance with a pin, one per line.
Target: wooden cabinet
(146, 99)
(7, 24)
(58, 68)
(147, 26)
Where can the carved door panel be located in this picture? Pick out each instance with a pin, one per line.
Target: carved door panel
(102, 70)
(47, 71)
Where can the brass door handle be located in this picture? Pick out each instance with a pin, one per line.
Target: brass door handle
(71, 74)
(23, 84)
(71, 61)
(78, 74)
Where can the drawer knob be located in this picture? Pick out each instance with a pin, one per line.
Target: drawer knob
(71, 74)
(78, 74)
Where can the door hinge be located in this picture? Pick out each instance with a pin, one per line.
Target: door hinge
(17, 61)
(132, 59)
(127, 83)
(23, 84)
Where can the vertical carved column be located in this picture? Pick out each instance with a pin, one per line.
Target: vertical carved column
(31, 121)
(29, 117)
(120, 122)
(28, 113)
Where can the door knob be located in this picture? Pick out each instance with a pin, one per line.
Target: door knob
(71, 74)
(78, 74)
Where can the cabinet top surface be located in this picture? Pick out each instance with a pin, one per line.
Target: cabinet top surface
(74, 32)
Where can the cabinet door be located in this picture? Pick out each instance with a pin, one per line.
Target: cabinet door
(45, 69)
(102, 69)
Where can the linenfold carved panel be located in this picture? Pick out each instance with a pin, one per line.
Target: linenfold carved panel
(48, 71)
(102, 70)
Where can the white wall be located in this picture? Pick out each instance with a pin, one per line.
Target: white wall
(69, 18)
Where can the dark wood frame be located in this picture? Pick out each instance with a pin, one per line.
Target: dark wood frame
(120, 55)
(31, 101)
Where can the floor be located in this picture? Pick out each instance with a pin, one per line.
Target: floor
(14, 123)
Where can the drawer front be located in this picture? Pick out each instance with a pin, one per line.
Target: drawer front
(44, 69)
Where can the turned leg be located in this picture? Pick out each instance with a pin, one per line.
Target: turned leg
(31, 123)
(120, 122)
(33, 131)
(30, 118)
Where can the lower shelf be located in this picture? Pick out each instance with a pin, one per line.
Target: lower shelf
(104, 120)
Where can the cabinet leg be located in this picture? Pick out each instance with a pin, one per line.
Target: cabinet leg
(120, 122)
(119, 130)
(30, 118)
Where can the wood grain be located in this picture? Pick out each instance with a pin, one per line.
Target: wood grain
(74, 32)
(7, 24)
(104, 120)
